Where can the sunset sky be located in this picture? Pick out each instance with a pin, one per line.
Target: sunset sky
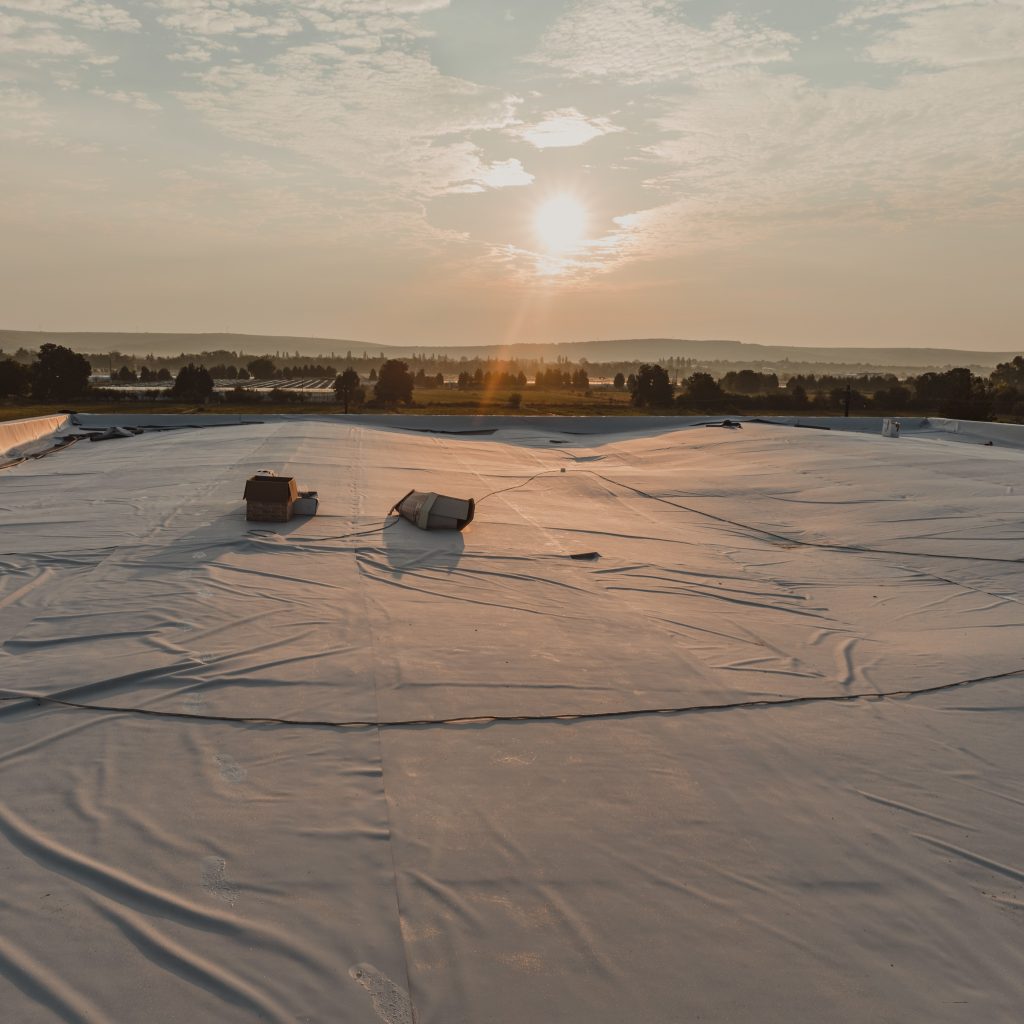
(468, 171)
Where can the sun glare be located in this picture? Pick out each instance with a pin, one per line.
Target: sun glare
(561, 223)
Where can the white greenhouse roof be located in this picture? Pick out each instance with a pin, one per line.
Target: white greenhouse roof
(757, 758)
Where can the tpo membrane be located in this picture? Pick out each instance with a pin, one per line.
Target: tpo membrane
(758, 760)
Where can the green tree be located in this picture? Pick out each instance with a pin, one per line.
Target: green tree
(394, 383)
(619, 382)
(262, 368)
(653, 388)
(15, 378)
(1005, 400)
(798, 396)
(839, 397)
(957, 393)
(1010, 374)
(702, 391)
(346, 387)
(193, 383)
(59, 374)
(126, 375)
(893, 399)
(749, 382)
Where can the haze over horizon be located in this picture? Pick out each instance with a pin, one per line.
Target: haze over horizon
(474, 172)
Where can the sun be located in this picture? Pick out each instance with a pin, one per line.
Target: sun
(561, 223)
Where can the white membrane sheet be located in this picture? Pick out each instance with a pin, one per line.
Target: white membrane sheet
(757, 757)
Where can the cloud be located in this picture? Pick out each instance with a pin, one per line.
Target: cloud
(366, 22)
(762, 153)
(876, 9)
(505, 174)
(389, 120)
(193, 54)
(23, 117)
(564, 128)
(102, 16)
(641, 41)
(135, 99)
(37, 39)
(32, 37)
(215, 18)
(952, 35)
(500, 174)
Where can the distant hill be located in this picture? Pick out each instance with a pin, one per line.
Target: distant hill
(142, 344)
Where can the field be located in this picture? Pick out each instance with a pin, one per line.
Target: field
(445, 401)
(441, 401)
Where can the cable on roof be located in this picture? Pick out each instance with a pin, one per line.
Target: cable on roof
(823, 545)
(564, 716)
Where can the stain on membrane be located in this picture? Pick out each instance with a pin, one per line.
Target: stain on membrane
(230, 770)
(213, 874)
(390, 1001)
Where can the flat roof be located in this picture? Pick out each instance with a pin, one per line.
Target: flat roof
(757, 757)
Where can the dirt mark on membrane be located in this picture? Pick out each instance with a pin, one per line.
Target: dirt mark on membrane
(390, 1001)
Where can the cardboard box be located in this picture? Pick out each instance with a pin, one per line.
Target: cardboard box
(270, 499)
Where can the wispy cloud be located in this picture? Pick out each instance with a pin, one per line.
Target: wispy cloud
(637, 41)
(506, 174)
(765, 153)
(873, 10)
(213, 18)
(35, 38)
(564, 128)
(101, 16)
(139, 100)
(23, 117)
(389, 120)
(193, 54)
(951, 35)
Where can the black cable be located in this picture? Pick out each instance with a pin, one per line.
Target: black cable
(823, 545)
(522, 483)
(565, 716)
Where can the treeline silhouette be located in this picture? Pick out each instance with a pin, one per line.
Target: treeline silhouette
(957, 393)
(58, 374)
(481, 379)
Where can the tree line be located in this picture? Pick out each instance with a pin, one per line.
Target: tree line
(957, 393)
(58, 374)
(484, 380)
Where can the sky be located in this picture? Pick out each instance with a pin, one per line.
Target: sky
(470, 172)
